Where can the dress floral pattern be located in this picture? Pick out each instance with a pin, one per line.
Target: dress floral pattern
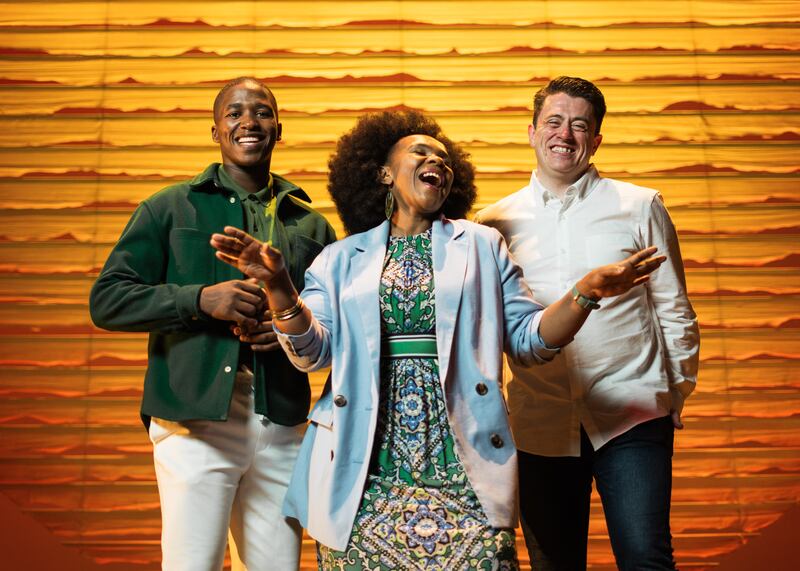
(418, 511)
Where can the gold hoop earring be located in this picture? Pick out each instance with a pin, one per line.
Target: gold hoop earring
(388, 208)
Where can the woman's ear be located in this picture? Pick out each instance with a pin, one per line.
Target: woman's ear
(385, 176)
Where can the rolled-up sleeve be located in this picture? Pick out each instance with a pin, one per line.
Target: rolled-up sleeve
(311, 350)
(522, 314)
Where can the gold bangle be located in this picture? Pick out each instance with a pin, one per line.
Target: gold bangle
(286, 314)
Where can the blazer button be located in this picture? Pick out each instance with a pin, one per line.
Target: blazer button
(481, 389)
(497, 442)
(339, 400)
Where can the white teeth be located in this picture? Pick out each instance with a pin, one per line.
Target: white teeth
(248, 139)
(426, 176)
(563, 150)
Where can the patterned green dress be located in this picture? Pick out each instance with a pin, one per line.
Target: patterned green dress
(418, 511)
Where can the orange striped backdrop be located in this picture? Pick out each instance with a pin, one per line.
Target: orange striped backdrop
(106, 102)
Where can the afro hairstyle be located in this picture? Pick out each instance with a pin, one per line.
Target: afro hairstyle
(361, 152)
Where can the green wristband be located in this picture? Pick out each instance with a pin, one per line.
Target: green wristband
(582, 300)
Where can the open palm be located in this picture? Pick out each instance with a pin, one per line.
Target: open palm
(616, 279)
(252, 257)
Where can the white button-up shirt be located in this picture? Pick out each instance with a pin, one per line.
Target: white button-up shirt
(636, 357)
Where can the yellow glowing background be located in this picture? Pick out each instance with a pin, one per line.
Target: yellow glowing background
(103, 103)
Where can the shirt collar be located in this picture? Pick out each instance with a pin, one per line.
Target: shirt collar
(208, 181)
(580, 189)
(262, 196)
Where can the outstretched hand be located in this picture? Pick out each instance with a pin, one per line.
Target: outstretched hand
(562, 319)
(616, 279)
(266, 264)
(252, 257)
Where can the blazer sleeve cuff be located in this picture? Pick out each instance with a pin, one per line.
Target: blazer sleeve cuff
(305, 349)
(541, 350)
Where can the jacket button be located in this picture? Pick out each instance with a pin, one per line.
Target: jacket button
(232, 200)
(228, 369)
(481, 389)
(339, 400)
(497, 442)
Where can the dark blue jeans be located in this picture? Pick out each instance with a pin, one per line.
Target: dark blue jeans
(633, 474)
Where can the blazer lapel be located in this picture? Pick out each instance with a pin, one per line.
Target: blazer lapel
(450, 251)
(365, 277)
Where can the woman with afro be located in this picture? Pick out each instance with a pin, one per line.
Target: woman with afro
(408, 462)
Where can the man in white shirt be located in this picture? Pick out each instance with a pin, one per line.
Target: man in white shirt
(606, 407)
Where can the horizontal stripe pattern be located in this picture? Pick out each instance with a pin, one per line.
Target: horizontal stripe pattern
(106, 102)
(409, 346)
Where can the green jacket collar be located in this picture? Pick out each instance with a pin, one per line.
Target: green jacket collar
(205, 181)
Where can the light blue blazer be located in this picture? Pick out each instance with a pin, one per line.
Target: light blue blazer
(483, 307)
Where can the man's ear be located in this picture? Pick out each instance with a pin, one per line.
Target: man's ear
(531, 131)
(596, 143)
(214, 134)
(280, 131)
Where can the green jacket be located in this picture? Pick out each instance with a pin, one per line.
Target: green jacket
(152, 281)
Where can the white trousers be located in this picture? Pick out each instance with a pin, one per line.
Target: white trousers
(215, 475)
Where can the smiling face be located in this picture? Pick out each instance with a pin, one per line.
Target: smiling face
(419, 173)
(564, 140)
(246, 126)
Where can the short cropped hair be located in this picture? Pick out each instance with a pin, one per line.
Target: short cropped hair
(574, 87)
(238, 81)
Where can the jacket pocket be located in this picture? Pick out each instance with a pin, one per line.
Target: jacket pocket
(191, 258)
(305, 250)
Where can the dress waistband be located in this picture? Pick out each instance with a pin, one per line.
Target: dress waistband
(409, 346)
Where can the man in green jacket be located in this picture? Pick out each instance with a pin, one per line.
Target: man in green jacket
(224, 407)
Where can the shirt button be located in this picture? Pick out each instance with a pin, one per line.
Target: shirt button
(339, 400)
(228, 369)
(481, 389)
(232, 200)
(497, 442)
